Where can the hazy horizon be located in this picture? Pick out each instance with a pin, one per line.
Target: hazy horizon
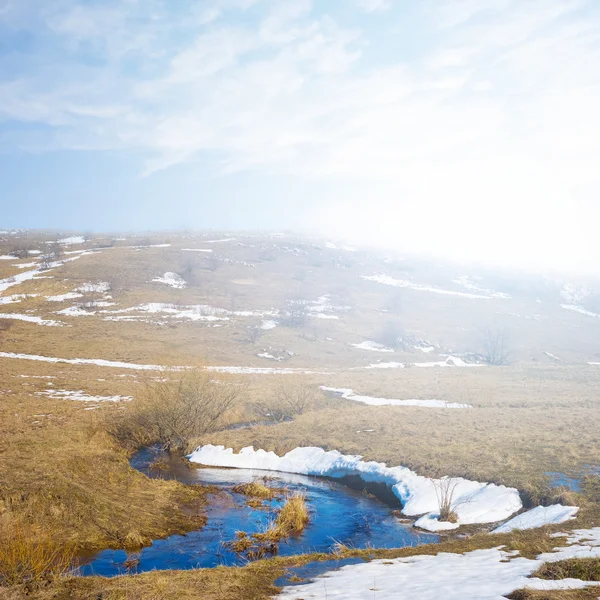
(463, 130)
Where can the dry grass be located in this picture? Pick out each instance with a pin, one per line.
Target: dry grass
(62, 473)
(291, 519)
(587, 569)
(30, 556)
(257, 489)
(583, 594)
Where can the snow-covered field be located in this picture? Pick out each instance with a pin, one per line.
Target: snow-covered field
(349, 394)
(474, 502)
(489, 574)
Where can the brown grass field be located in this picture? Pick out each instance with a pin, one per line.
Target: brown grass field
(62, 474)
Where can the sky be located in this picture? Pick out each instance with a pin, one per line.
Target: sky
(467, 129)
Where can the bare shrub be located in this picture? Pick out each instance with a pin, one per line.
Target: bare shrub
(55, 250)
(290, 399)
(29, 556)
(20, 250)
(253, 334)
(174, 411)
(5, 325)
(494, 347)
(295, 316)
(445, 490)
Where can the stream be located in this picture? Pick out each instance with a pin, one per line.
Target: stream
(339, 514)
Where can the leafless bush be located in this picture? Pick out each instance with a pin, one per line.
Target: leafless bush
(20, 250)
(494, 347)
(290, 399)
(253, 334)
(176, 410)
(295, 316)
(5, 325)
(445, 490)
(55, 251)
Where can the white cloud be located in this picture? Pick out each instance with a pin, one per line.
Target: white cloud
(486, 135)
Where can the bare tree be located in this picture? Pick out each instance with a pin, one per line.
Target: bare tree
(494, 347)
(296, 315)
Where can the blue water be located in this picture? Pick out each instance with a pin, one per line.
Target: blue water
(338, 514)
(558, 479)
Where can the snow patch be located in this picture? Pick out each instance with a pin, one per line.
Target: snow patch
(349, 394)
(404, 283)
(481, 574)
(266, 325)
(372, 346)
(64, 297)
(579, 309)
(100, 362)
(538, 517)
(450, 361)
(75, 239)
(32, 319)
(81, 396)
(172, 279)
(196, 249)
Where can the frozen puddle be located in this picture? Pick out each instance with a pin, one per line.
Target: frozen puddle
(474, 502)
(492, 573)
(349, 394)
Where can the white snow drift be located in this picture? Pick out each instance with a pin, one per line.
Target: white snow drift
(349, 394)
(31, 319)
(474, 502)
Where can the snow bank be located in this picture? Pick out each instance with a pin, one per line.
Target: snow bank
(489, 574)
(538, 517)
(348, 394)
(372, 346)
(474, 502)
(172, 279)
(31, 319)
(100, 362)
